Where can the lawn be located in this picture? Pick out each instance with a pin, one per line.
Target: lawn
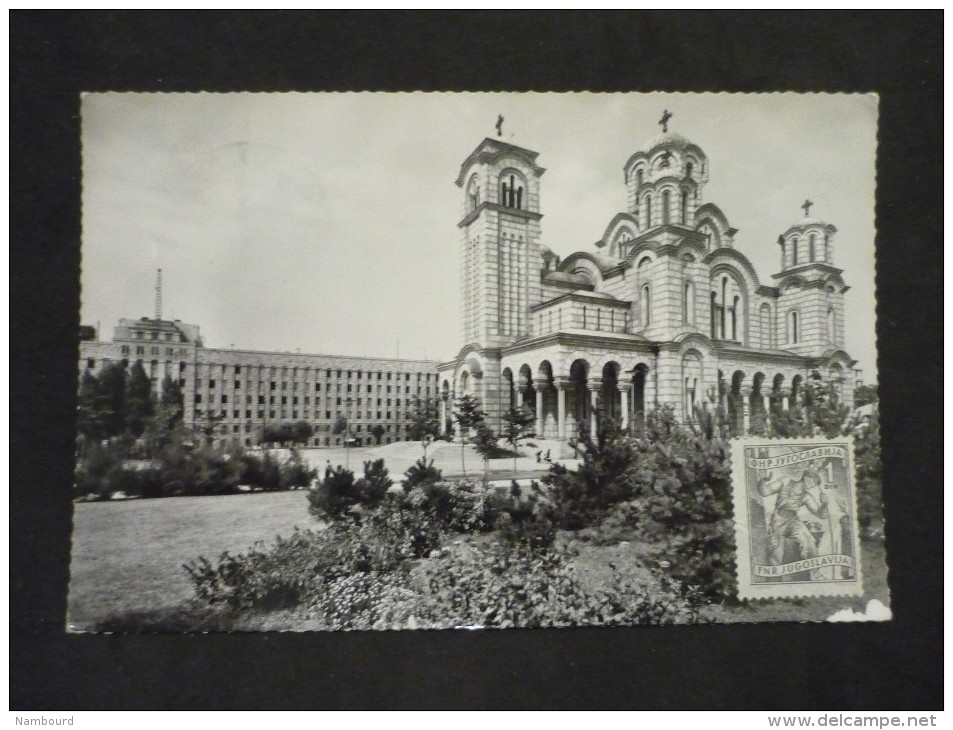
(127, 556)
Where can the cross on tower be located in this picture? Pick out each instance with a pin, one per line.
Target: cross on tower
(499, 126)
(807, 207)
(666, 115)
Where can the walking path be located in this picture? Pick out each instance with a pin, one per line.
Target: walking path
(399, 456)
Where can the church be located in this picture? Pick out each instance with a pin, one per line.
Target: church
(662, 309)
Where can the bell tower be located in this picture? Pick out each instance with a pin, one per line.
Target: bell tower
(811, 290)
(500, 258)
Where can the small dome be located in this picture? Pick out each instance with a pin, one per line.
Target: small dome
(809, 221)
(667, 139)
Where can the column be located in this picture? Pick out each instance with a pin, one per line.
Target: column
(521, 401)
(443, 415)
(745, 414)
(561, 385)
(624, 392)
(785, 403)
(540, 411)
(595, 385)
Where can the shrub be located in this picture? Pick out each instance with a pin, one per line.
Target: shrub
(298, 569)
(869, 474)
(503, 586)
(263, 472)
(421, 472)
(372, 488)
(673, 486)
(334, 495)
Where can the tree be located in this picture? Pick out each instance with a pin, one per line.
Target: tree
(486, 444)
(468, 414)
(282, 433)
(207, 423)
(424, 419)
(111, 399)
(89, 417)
(377, 431)
(865, 394)
(517, 427)
(139, 401)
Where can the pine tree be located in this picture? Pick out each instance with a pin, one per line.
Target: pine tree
(140, 405)
(517, 427)
(468, 414)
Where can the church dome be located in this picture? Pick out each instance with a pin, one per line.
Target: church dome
(666, 139)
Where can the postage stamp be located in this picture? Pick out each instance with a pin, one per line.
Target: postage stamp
(796, 518)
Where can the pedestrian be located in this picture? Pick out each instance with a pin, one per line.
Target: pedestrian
(328, 471)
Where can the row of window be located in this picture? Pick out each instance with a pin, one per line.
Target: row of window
(284, 415)
(357, 374)
(294, 400)
(273, 385)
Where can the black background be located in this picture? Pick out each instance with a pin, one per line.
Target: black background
(56, 55)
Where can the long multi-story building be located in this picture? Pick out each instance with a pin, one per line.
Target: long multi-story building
(247, 390)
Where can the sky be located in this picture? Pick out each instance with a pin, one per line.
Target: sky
(327, 223)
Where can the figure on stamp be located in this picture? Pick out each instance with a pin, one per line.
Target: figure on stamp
(789, 536)
(836, 539)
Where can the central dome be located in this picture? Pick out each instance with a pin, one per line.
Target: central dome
(666, 139)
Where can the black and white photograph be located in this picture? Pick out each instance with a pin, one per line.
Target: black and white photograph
(438, 361)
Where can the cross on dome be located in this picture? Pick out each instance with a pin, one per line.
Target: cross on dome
(499, 125)
(666, 115)
(807, 207)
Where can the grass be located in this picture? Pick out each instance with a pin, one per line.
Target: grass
(127, 556)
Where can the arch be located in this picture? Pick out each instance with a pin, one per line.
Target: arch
(647, 201)
(730, 304)
(473, 193)
(639, 177)
(736, 404)
(579, 406)
(793, 327)
(794, 251)
(710, 220)
(688, 302)
(610, 399)
(764, 324)
(638, 379)
(525, 377)
(513, 191)
(645, 305)
(758, 417)
(796, 383)
(509, 386)
(692, 383)
(811, 244)
(666, 206)
(683, 206)
(777, 393)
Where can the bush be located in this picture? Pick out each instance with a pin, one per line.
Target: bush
(465, 506)
(298, 569)
(869, 472)
(421, 472)
(503, 586)
(672, 486)
(339, 493)
(334, 496)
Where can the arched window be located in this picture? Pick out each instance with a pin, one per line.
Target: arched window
(666, 206)
(724, 306)
(639, 177)
(766, 326)
(473, 194)
(810, 247)
(831, 322)
(734, 317)
(684, 207)
(645, 303)
(648, 211)
(688, 303)
(714, 314)
(794, 252)
(688, 169)
(792, 328)
(511, 191)
(826, 252)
